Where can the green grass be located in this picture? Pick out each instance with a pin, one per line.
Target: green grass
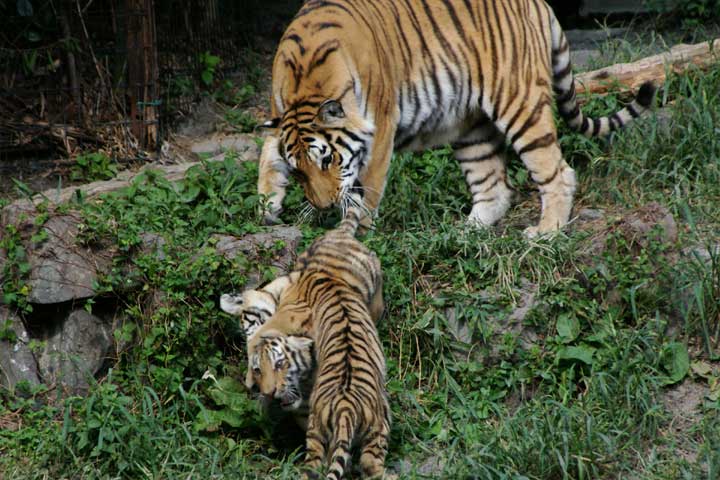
(577, 396)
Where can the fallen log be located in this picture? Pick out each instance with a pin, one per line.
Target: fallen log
(655, 68)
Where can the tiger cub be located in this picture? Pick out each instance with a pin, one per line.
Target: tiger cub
(330, 308)
(293, 366)
(353, 81)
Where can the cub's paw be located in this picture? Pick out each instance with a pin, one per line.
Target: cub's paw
(231, 303)
(270, 219)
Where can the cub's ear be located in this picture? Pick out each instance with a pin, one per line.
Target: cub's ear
(299, 342)
(273, 123)
(270, 333)
(249, 379)
(330, 111)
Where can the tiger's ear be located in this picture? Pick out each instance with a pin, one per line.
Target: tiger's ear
(272, 123)
(299, 342)
(330, 112)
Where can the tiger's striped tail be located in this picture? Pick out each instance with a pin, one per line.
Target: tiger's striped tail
(564, 87)
(340, 456)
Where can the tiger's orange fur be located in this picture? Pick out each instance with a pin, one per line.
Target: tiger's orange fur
(355, 80)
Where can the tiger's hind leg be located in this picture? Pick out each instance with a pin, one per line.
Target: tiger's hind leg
(372, 456)
(479, 153)
(375, 445)
(533, 136)
(314, 448)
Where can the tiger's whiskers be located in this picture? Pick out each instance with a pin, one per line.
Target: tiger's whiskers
(306, 214)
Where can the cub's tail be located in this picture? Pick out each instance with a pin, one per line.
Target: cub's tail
(351, 221)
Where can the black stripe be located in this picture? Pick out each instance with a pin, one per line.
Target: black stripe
(585, 124)
(319, 61)
(548, 180)
(498, 100)
(482, 180)
(493, 47)
(326, 25)
(559, 76)
(456, 21)
(542, 142)
(438, 32)
(513, 54)
(296, 38)
(530, 121)
(470, 10)
(312, 6)
(482, 158)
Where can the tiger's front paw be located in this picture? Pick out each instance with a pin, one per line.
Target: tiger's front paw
(535, 233)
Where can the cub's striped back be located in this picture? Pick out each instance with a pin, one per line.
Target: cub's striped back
(328, 305)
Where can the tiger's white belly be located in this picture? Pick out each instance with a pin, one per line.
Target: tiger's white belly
(437, 138)
(426, 123)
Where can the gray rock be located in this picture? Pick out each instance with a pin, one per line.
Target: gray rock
(582, 58)
(458, 329)
(663, 117)
(154, 244)
(585, 39)
(704, 254)
(252, 245)
(612, 6)
(591, 214)
(642, 221)
(513, 323)
(202, 120)
(76, 351)
(497, 326)
(61, 269)
(244, 145)
(432, 466)
(17, 362)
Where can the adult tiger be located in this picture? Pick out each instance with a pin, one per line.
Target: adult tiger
(354, 80)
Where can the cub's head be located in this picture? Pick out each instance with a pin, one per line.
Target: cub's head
(280, 367)
(324, 145)
(254, 307)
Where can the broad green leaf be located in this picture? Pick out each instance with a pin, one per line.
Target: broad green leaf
(582, 353)
(568, 328)
(701, 369)
(191, 192)
(676, 361)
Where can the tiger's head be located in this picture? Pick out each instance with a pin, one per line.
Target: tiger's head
(254, 307)
(324, 143)
(281, 367)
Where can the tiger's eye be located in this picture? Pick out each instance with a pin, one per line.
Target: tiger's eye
(326, 162)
